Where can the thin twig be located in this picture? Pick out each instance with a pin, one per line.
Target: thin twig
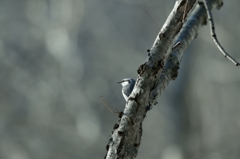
(214, 36)
(150, 16)
(105, 104)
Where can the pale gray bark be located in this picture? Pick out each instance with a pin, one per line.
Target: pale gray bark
(154, 75)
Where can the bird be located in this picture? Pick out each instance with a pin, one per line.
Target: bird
(127, 87)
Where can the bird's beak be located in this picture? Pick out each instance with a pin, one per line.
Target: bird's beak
(119, 82)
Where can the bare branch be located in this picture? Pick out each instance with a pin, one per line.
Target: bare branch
(214, 36)
(154, 75)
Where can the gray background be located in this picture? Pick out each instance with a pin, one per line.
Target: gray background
(57, 57)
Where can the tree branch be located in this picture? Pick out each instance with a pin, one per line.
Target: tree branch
(214, 35)
(154, 76)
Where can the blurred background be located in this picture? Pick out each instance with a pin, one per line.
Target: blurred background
(57, 57)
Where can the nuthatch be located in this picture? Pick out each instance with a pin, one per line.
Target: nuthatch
(127, 87)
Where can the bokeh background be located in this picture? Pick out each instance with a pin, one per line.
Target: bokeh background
(57, 57)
